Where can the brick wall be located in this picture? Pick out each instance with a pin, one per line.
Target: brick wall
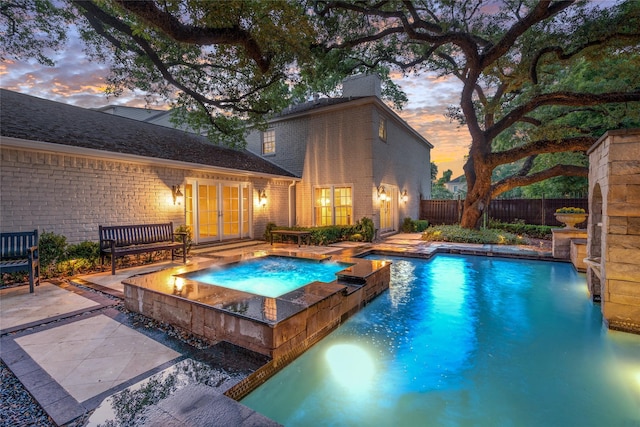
(73, 194)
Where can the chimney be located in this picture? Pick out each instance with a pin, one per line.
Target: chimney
(362, 85)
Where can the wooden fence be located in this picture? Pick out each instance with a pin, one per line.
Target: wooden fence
(532, 211)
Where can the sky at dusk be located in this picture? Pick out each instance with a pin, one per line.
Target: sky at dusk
(77, 81)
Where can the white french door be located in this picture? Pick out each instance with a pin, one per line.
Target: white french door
(217, 210)
(388, 210)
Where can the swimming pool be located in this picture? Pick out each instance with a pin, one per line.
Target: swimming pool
(270, 276)
(465, 341)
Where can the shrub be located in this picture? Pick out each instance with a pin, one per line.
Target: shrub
(188, 237)
(519, 227)
(327, 234)
(51, 248)
(366, 228)
(408, 226)
(267, 230)
(455, 233)
(420, 225)
(363, 230)
(89, 251)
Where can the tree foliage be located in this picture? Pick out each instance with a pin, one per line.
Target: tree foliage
(539, 77)
(523, 97)
(225, 64)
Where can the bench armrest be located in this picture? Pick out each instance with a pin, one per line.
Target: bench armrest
(33, 253)
(112, 244)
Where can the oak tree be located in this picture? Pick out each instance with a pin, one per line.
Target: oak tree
(512, 57)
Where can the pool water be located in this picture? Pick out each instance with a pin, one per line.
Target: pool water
(270, 276)
(465, 341)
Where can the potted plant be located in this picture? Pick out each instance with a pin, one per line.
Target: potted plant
(570, 216)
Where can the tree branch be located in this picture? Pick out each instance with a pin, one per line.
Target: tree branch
(147, 11)
(520, 181)
(562, 56)
(581, 143)
(559, 98)
(543, 10)
(97, 16)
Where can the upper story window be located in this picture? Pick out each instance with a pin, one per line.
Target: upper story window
(269, 142)
(382, 129)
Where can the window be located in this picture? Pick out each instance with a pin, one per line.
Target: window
(382, 129)
(269, 142)
(333, 206)
(323, 206)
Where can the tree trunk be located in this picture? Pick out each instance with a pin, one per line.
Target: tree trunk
(478, 172)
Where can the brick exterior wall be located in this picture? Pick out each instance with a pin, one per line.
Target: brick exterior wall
(73, 194)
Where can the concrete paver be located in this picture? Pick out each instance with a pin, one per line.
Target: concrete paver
(90, 356)
(19, 307)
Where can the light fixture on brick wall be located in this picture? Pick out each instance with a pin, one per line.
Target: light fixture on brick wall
(382, 195)
(177, 194)
(262, 198)
(404, 196)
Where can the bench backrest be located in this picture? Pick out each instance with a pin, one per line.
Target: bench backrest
(16, 245)
(127, 235)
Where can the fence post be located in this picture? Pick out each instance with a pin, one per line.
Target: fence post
(544, 213)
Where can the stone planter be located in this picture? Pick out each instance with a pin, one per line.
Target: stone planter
(571, 219)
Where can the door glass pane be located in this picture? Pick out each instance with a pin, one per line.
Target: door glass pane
(231, 211)
(386, 213)
(245, 211)
(208, 210)
(188, 202)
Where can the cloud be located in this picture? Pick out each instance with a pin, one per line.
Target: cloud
(429, 95)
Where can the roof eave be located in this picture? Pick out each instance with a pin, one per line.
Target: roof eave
(111, 155)
(351, 103)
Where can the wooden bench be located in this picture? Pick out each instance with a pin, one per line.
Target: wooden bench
(19, 252)
(295, 233)
(121, 240)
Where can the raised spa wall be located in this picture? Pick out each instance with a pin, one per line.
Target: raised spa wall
(270, 326)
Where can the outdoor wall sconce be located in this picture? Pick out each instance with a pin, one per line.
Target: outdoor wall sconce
(382, 195)
(262, 198)
(404, 196)
(175, 191)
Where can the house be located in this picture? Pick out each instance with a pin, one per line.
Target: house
(355, 156)
(457, 186)
(331, 161)
(68, 169)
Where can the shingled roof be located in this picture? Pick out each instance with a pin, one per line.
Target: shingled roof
(36, 119)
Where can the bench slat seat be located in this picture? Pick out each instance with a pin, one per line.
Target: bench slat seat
(19, 252)
(121, 240)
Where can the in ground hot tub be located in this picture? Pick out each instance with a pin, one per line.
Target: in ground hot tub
(273, 323)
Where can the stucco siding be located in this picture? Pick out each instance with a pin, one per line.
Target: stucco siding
(338, 154)
(402, 161)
